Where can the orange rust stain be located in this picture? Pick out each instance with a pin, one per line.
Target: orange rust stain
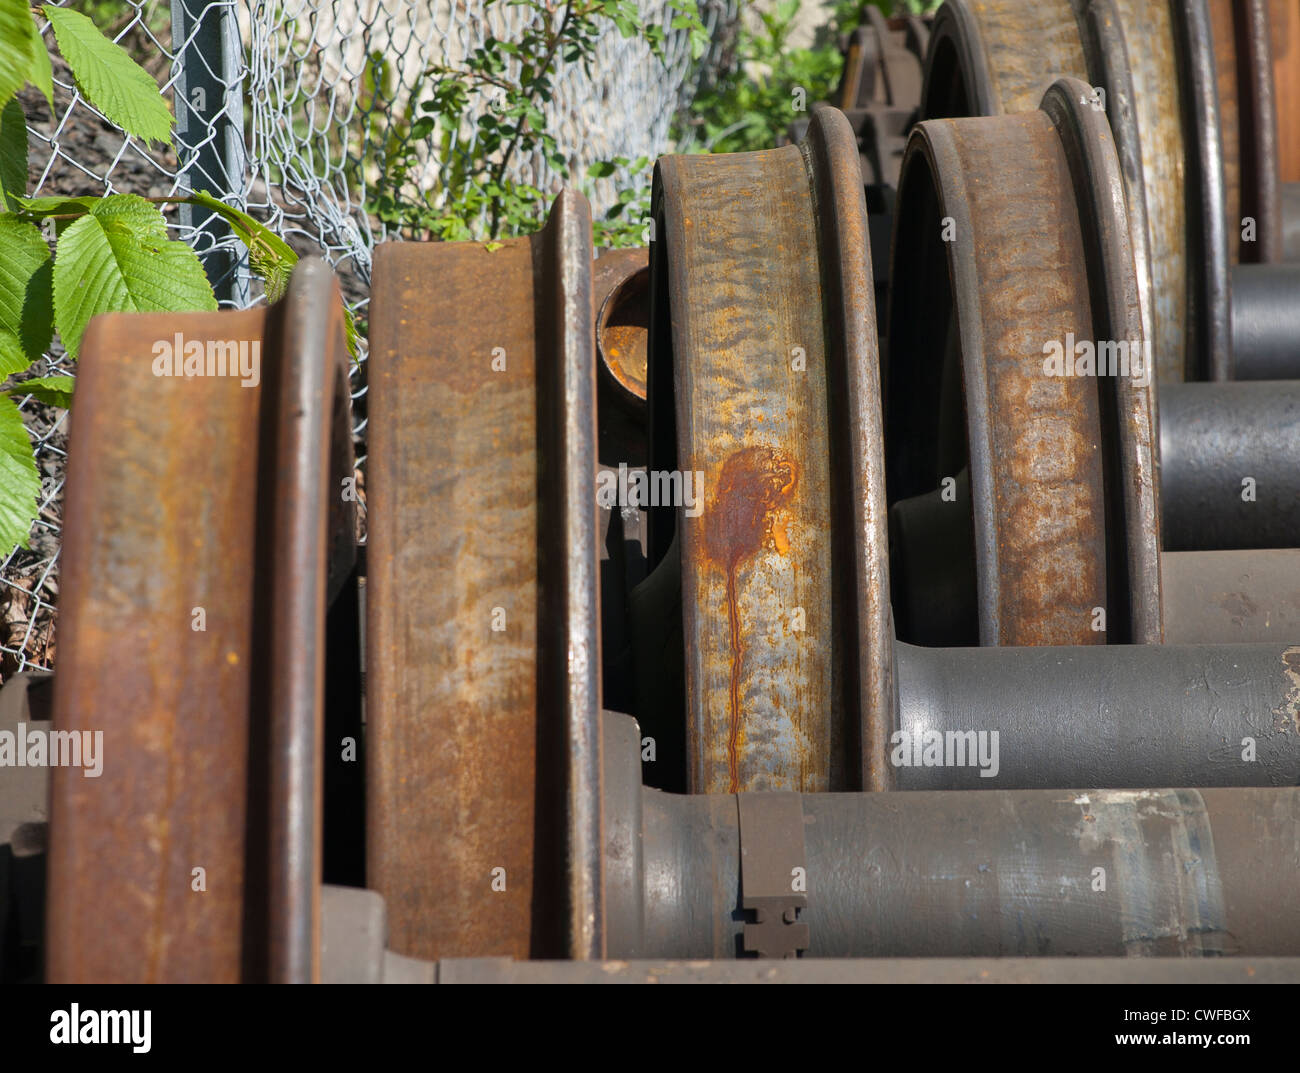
(755, 483)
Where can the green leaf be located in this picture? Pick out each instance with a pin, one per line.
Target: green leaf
(13, 151)
(56, 206)
(12, 358)
(600, 169)
(26, 304)
(42, 73)
(119, 258)
(351, 335)
(50, 390)
(270, 256)
(109, 78)
(20, 484)
(19, 43)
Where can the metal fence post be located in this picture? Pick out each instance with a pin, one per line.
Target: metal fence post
(210, 134)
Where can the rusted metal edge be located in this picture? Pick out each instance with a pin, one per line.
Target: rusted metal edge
(905, 380)
(193, 653)
(1209, 353)
(1260, 169)
(311, 397)
(965, 70)
(858, 449)
(1248, 120)
(956, 80)
(569, 638)
(756, 349)
(1108, 68)
(1152, 71)
(1023, 47)
(1232, 93)
(482, 647)
(1133, 508)
(1035, 472)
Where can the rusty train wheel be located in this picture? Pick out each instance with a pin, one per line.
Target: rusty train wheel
(1247, 115)
(194, 640)
(763, 378)
(1060, 468)
(483, 648)
(1154, 62)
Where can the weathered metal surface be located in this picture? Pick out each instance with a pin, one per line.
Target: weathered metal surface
(1284, 34)
(1120, 717)
(1026, 266)
(1027, 47)
(1261, 171)
(996, 56)
(1004, 873)
(483, 658)
(171, 702)
(956, 76)
(1107, 51)
(1229, 475)
(1231, 596)
(312, 453)
(193, 625)
(1265, 342)
(569, 648)
(1208, 356)
(1127, 401)
(621, 290)
(773, 352)
(1226, 64)
(1207, 597)
(1248, 125)
(1157, 93)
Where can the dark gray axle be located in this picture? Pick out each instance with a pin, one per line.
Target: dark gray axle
(1044, 873)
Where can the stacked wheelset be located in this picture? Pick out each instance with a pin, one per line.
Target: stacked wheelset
(846, 696)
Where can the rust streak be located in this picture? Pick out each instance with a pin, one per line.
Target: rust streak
(755, 483)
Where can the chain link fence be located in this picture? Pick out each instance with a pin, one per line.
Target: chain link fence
(290, 110)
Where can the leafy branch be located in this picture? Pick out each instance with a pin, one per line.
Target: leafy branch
(481, 115)
(111, 253)
(753, 101)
